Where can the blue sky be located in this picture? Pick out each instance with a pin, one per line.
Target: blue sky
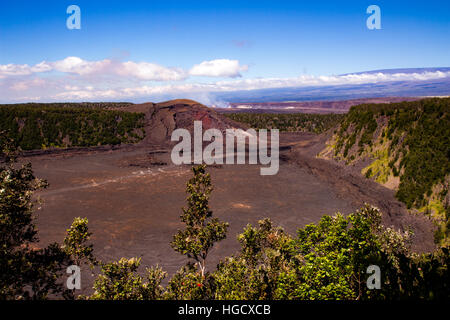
(253, 39)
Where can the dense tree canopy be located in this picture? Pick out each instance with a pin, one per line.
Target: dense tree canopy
(291, 122)
(40, 126)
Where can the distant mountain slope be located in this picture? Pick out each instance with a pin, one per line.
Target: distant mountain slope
(403, 70)
(404, 146)
(410, 88)
(330, 106)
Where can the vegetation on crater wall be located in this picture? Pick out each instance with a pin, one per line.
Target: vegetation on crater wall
(410, 140)
(290, 122)
(40, 126)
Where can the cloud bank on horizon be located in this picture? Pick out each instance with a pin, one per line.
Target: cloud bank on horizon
(129, 69)
(76, 79)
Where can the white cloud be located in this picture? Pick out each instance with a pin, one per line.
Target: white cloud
(150, 71)
(14, 70)
(26, 84)
(71, 88)
(77, 66)
(81, 67)
(86, 95)
(41, 67)
(19, 86)
(8, 70)
(144, 71)
(218, 68)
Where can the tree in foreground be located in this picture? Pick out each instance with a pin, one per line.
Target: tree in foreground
(202, 230)
(28, 270)
(76, 243)
(257, 271)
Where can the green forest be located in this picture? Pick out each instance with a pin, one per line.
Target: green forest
(290, 122)
(58, 125)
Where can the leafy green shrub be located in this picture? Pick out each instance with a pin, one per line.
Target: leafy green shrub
(118, 281)
(328, 260)
(189, 284)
